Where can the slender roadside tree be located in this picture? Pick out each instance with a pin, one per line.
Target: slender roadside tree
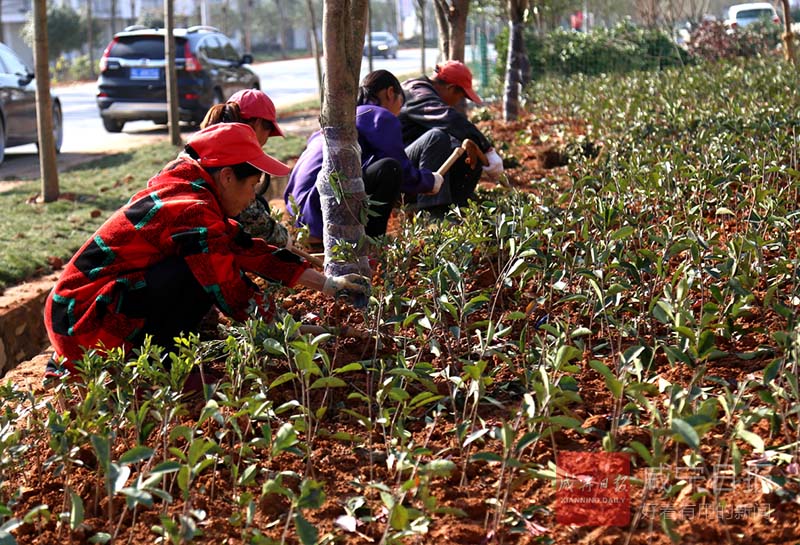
(788, 35)
(44, 105)
(451, 18)
(516, 60)
(419, 7)
(173, 118)
(90, 34)
(315, 45)
(113, 19)
(340, 185)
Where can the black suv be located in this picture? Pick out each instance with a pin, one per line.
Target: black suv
(132, 84)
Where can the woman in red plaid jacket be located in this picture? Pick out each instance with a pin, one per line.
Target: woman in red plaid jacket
(159, 263)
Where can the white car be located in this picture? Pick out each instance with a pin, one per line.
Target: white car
(741, 15)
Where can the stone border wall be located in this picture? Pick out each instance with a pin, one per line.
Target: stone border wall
(22, 332)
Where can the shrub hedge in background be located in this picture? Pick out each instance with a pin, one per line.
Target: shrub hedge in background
(618, 49)
(626, 48)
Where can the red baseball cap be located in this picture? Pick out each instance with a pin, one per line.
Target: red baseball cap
(457, 73)
(229, 144)
(254, 103)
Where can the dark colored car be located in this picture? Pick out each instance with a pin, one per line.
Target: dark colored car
(132, 84)
(18, 105)
(384, 44)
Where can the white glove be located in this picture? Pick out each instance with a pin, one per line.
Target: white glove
(438, 180)
(495, 167)
(353, 287)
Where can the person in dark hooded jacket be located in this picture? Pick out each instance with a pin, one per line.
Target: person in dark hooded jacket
(433, 127)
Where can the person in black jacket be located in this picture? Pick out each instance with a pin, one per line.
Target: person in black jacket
(433, 127)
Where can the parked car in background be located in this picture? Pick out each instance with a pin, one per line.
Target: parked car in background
(384, 44)
(18, 105)
(741, 15)
(132, 82)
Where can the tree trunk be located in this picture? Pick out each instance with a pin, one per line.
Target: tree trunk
(248, 33)
(282, 31)
(315, 45)
(340, 185)
(369, 36)
(514, 64)
(90, 35)
(788, 35)
(420, 8)
(2, 37)
(44, 105)
(113, 10)
(451, 18)
(173, 119)
(440, 9)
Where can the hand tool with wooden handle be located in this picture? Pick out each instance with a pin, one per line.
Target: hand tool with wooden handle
(311, 258)
(475, 156)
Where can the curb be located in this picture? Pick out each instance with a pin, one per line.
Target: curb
(22, 331)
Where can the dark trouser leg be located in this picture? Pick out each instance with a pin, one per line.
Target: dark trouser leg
(463, 179)
(430, 151)
(382, 181)
(173, 302)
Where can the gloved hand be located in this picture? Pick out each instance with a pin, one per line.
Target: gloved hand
(353, 287)
(495, 167)
(438, 180)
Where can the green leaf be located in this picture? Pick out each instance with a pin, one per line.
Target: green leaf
(136, 454)
(134, 497)
(642, 451)
(118, 476)
(100, 537)
(399, 519)
(580, 332)
(248, 475)
(440, 468)
(102, 449)
(686, 432)
(170, 466)
(305, 531)
(612, 383)
(355, 366)
(668, 525)
(284, 439)
(76, 511)
(623, 232)
(312, 495)
(486, 457)
(754, 439)
(328, 382)
(565, 421)
(566, 354)
(516, 267)
(348, 437)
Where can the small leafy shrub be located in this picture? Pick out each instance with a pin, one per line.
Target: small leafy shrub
(713, 41)
(77, 69)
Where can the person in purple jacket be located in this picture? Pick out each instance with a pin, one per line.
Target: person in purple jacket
(387, 170)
